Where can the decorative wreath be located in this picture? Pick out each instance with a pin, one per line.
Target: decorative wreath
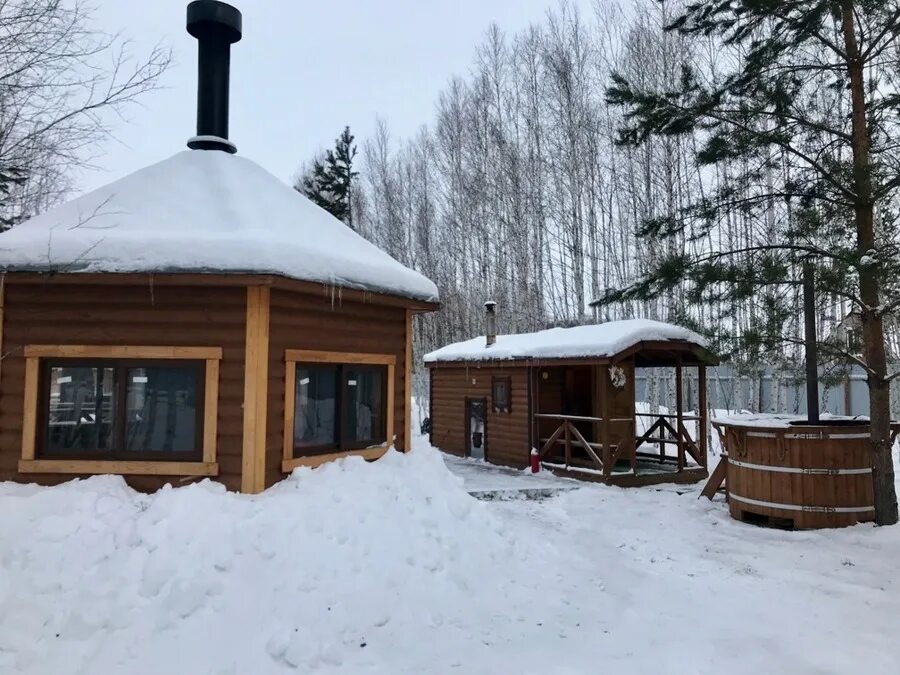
(617, 377)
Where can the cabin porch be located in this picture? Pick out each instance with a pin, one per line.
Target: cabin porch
(586, 423)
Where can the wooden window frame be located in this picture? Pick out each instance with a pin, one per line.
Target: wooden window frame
(507, 380)
(294, 356)
(34, 354)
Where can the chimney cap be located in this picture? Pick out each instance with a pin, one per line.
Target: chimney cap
(205, 16)
(490, 305)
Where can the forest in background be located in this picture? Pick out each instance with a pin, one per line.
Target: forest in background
(517, 190)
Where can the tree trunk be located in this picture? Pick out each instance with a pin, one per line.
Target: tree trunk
(872, 325)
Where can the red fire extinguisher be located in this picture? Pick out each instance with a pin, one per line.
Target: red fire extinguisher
(535, 461)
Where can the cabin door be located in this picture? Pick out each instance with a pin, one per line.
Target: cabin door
(476, 428)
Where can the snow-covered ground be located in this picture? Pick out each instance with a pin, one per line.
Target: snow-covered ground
(391, 567)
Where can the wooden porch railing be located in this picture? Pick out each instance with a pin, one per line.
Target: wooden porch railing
(678, 435)
(569, 435)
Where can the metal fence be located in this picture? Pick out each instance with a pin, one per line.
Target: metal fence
(768, 391)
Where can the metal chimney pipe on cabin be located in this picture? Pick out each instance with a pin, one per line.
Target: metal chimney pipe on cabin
(490, 322)
(216, 26)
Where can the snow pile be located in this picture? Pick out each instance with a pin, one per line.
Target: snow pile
(391, 568)
(597, 340)
(353, 567)
(205, 211)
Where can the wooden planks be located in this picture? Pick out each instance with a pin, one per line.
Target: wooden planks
(87, 467)
(716, 479)
(406, 436)
(679, 412)
(605, 410)
(241, 281)
(331, 327)
(313, 461)
(256, 364)
(123, 352)
(290, 398)
(317, 356)
(211, 411)
(703, 422)
(804, 477)
(2, 315)
(507, 433)
(175, 318)
(387, 360)
(30, 403)
(33, 353)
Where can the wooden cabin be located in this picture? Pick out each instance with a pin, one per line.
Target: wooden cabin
(569, 394)
(200, 318)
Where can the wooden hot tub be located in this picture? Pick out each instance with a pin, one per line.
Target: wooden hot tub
(797, 475)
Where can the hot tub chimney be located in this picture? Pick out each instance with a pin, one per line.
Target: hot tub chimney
(490, 320)
(216, 26)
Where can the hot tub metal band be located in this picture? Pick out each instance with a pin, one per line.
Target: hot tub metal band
(797, 507)
(792, 469)
(816, 436)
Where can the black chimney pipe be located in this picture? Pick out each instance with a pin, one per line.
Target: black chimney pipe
(812, 351)
(216, 26)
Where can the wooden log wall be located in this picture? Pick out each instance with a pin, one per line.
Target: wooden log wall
(138, 314)
(325, 322)
(507, 433)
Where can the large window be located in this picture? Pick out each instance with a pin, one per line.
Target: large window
(338, 407)
(336, 403)
(120, 409)
(126, 410)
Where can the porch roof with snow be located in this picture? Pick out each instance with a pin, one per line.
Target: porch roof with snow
(205, 212)
(650, 342)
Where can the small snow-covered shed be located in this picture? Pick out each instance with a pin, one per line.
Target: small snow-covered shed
(569, 394)
(200, 318)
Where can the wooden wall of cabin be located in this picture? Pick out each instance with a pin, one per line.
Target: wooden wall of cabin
(506, 433)
(59, 314)
(325, 323)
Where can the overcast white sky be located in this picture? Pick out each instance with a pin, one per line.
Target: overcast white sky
(302, 71)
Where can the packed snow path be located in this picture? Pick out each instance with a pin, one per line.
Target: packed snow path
(392, 567)
(491, 482)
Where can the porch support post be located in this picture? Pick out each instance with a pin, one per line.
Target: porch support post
(603, 388)
(679, 413)
(568, 443)
(703, 424)
(533, 439)
(256, 390)
(596, 398)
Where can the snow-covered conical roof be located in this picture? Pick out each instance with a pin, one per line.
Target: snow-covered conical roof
(205, 212)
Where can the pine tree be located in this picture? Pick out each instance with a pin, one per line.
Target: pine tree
(329, 181)
(807, 117)
(9, 177)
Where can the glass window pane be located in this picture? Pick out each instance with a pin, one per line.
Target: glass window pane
(161, 409)
(315, 407)
(363, 406)
(81, 409)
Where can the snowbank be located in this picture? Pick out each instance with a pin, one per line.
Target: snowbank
(205, 211)
(597, 340)
(343, 568)
(391, 568)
